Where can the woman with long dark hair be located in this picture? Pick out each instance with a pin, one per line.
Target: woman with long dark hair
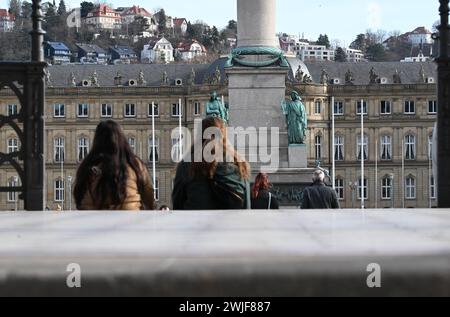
(218, 180)
(112, 177)
(262, 198)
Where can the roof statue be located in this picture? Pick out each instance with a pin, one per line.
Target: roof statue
(165, 79)
(141, 78)
(396, 77)
(373, 77)
(349, 78)
(191, 78)
(422, 75)
(94, 79)
(72, 80)
(324, 78)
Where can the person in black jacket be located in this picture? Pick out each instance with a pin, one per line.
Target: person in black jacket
(262, 198)
(319, 196)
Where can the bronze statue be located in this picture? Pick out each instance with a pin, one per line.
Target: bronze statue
(215, 108)
(296, 119)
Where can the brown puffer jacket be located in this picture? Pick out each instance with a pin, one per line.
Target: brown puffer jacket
(134, 200)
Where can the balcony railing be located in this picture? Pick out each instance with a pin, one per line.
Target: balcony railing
(26, 80)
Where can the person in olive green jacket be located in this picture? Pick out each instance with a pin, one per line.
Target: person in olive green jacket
(112, 177)
(214, 182)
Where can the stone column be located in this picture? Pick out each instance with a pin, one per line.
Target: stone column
(256, 23)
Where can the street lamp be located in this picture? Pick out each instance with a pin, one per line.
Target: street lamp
(391, 177)
(15, 180)
(69, 185)
(353, 186)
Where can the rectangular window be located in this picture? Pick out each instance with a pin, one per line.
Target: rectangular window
(197, 108)
(150, 149)
(386, 148)
(83, 148)
(58, 110)
(58, 147)
(386, 188)
(358, 107)
(176, 110)
(13, 145)
(385, 107)
(106, 110)
(130, 110)
(339, 148)
(59, 190)
(365, 189)
(155, 110)
(432, 107)
(13, 110)
(410, 188)
(410, 107)
(339, 187)
(318, 107)
(83, 110)
(338, 108)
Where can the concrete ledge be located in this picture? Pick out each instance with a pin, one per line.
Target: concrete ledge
(226, 253)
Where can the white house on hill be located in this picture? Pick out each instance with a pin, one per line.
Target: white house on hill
(190, 50)
(158, 50)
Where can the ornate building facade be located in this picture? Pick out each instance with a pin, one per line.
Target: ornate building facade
(398, 102)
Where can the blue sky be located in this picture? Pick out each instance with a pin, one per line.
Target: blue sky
(340, 19)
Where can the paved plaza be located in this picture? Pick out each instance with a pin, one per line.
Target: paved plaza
(226, 253)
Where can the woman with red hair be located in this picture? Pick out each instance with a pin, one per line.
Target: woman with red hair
(262, 198)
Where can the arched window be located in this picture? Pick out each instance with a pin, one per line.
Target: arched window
(410, 147)
(363, 146)
(339, 187)
(318, 147)
(386, 148)
(58, 149)
(150, 149)
(364, 188)
(83, 148)
(410, 187)
(339, 148)
(132, 142)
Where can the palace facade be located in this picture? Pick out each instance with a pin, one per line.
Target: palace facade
(398, 104)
